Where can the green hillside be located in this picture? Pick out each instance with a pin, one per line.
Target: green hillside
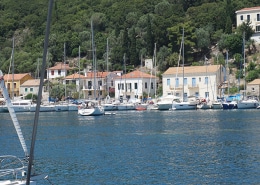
(131, 27)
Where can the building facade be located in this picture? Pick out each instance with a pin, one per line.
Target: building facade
(58, 71)
(14, 81)
(251, 14)
(135, 85)
(253, 88)
(97, 85)
(199, 81)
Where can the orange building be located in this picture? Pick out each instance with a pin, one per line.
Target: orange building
(13, 82)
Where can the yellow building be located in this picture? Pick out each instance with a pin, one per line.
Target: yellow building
(13, 82)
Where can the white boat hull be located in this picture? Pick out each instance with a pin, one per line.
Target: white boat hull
(109, 107)
(126, 107)
(184, 106)
(217, 105)
(164, 106)
(204, 106)
(43, 108)
(93, 111)
(73, 107)
(59, 108)
(247, 104)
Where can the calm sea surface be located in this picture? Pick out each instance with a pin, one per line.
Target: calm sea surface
(149, 147)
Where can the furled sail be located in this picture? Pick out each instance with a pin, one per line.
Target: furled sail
(12, 114)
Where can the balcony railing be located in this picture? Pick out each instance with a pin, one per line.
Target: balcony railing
(194, 86)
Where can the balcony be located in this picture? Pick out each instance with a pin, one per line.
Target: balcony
(196, 86)
(172, 87)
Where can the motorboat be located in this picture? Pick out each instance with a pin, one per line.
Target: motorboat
(247, 104)
(165, 102)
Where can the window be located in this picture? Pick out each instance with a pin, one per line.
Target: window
(248, 17)
(59, 72)
(145, 85)
(136, 86)
(193, 82)
(130, 86)
(177, 82)
(206, 94)
(152, 85)
(89, 93)
(89, 84)
(52, 72)
(197, 94)
(241, 17)
(25, 89)
(8, 86)
(185, 96)
(168, 82)
(100, 83)
(14, 85)
(257, 28)
(112, 83)
(185, 81)
(31, 89)
(199, 79)
(122, 85)
(206, 80)
(258, 17)
(100, 93)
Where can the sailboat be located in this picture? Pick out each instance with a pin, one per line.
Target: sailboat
(184, 105)
(125, 104)
(230, 102)
(246, 103)
(92, 107)
(205, 103)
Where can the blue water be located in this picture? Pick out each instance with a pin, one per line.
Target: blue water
(149, 147)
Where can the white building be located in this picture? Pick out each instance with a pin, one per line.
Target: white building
(199, 81)
(57, 71)
(31, 86)
(253, 15)
(134, 84)
(98, 85)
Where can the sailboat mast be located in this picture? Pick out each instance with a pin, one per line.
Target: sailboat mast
(65, 69)
(13, 70)
(36, 117)
(183, 64)
(244, 56)
(155, 73)
(79, 71)
(107, 67)
(93, 57)
(228, 72)
(125, 75)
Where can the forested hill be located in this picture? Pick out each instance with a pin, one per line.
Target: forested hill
(131, 27)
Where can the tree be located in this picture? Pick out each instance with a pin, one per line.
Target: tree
(203, 39)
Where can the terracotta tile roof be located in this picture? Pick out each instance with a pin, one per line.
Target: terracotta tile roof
(60, 66)
(98, 74)
(136, 74)
(255, 82)
(249, 9)
(192, 69)
(9, 77)
(75, 76)
(32, 82)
